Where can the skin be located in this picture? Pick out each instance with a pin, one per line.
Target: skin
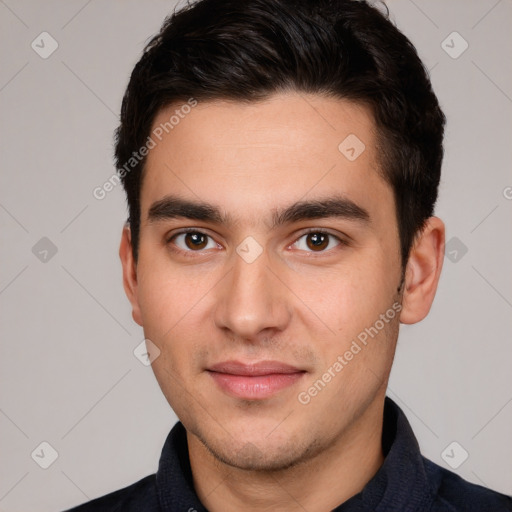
(294, 303)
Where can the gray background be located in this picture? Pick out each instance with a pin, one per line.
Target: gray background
(68, 373)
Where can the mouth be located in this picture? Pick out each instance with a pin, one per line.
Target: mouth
(255, 381)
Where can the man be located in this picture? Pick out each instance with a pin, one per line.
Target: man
(281, 161)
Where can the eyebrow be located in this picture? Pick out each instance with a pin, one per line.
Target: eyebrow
(172, 207)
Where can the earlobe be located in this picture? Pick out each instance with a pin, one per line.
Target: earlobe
(423, 271)
(130, 273)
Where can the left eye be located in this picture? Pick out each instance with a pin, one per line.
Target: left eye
(317, 241)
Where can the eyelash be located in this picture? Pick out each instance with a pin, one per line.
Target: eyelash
(193, 254)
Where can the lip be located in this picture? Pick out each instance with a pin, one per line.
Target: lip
(254, 381)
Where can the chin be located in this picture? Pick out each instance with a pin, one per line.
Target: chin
(261, 454)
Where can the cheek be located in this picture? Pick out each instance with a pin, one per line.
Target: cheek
(168, 295)
(352, 296)
(176, 305)
(163, 282)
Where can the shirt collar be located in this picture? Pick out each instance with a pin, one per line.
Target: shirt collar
(400, 484)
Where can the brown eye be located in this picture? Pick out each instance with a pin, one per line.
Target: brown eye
(192, 241)
(196, 240)
(317, 241)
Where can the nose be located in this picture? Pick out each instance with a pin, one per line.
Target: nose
(252, 302)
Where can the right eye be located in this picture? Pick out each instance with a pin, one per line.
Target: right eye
(192, 241)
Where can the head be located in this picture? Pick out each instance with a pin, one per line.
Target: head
(300, 143)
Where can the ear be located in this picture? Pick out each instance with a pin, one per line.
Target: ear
(423, 271)
(130, 272)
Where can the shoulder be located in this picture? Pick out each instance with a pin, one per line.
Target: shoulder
(141, 495)
(454, 494)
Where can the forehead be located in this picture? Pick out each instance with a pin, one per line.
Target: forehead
(250, 157)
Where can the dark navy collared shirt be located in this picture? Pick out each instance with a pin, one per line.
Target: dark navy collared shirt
(406, 482)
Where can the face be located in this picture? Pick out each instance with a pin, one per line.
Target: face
(267, 274)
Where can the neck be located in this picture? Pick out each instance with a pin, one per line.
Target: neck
(321, 483)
